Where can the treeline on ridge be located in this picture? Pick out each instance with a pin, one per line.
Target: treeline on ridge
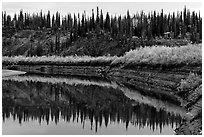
(152, 25)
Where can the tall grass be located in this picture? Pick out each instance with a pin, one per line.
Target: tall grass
(58, 59)
(154, 55)
(189, 54)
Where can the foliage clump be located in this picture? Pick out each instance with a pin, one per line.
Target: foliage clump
(191, 82)
(162, 55)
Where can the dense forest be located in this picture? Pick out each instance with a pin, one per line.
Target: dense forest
(144, 26)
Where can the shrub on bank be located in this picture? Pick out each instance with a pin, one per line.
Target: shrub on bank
(162, 55)
(190, 83)
(72, 60)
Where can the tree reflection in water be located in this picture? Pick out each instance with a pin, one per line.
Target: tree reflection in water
(28, 101)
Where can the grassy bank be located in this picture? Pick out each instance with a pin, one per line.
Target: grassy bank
(155, 55)
(162, 55)
(69, 60)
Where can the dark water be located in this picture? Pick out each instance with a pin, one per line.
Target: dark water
(56, 105)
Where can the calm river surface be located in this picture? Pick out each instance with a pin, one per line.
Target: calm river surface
(72, 105)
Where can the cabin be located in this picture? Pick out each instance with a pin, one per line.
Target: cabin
(135, 38)
(169, 35)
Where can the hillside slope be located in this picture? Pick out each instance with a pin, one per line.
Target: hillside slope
(48, 42)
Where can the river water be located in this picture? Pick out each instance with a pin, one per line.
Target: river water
(77, 105)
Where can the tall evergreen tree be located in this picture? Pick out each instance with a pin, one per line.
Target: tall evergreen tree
(162, 23)
(53, 21)
(4, 19)
(128, 27)
(97, 17)
(75, 27)
(107, 22)
(48, 20)
(41, 20)
(83, 25)
(8, 21)
(15, 21)
(79, 26)
(93, 20)
(119, 26)
(101, 19)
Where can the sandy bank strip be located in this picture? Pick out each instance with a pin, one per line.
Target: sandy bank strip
(6, 73)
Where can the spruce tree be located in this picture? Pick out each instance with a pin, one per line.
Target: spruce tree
(93, 20)
(4, 19)
(107, 23)
(101, 19)
(48, 19)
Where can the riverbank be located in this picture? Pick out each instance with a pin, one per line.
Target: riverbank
(190, 90)
(189, 55)
(184, 86)
(182, 59)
